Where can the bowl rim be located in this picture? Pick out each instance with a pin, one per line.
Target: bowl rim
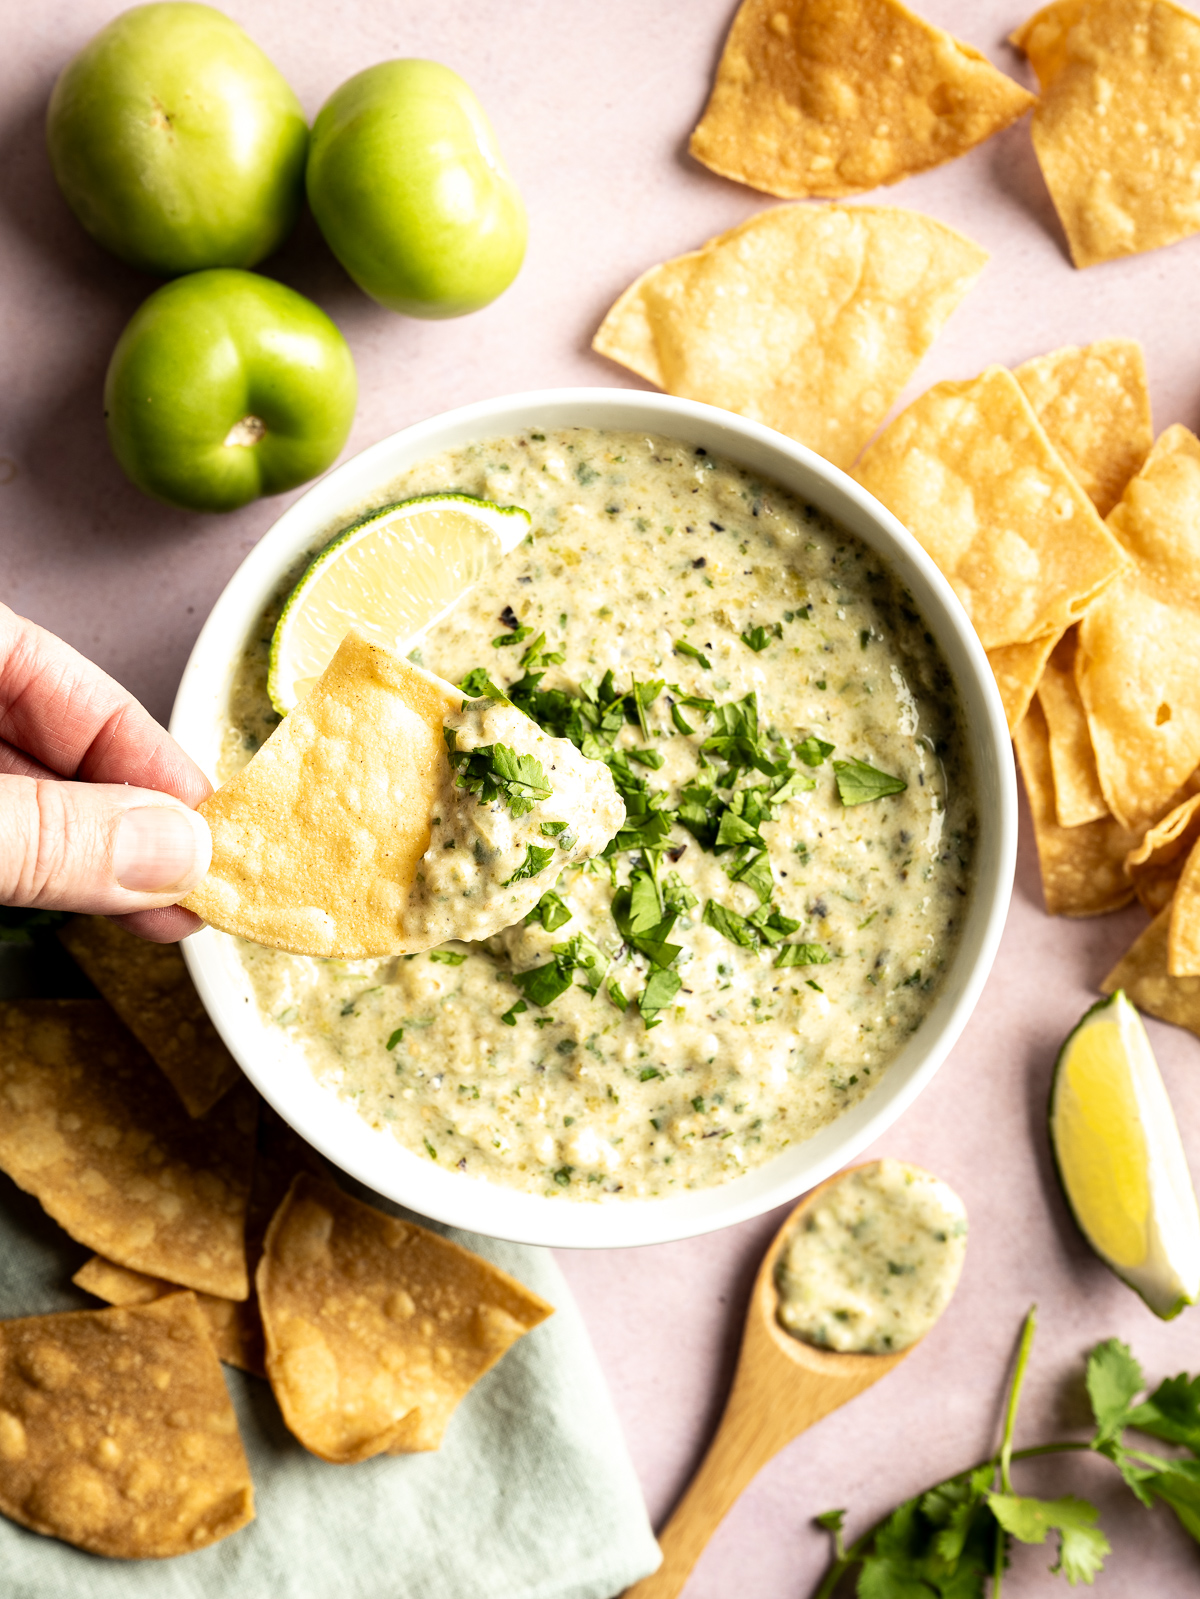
(372, 1155)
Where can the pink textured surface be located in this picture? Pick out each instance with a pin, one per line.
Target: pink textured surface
(593, 104)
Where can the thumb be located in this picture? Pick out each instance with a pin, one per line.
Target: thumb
(103, 848)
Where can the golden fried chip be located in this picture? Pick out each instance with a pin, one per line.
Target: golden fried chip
(1142, 973)
(1018, 669)
(970, 472)
(233, 1325)
(149, 988)
(1077, 795)
(117, 1434)
(1137, 660)
(376, 1328)
(1154, 866)
(808, 318)
(1117, 130)
(316, 842)
(91, 1128)
(1082, 867)
(1183, 937)
(832, 97)
(1094, 404)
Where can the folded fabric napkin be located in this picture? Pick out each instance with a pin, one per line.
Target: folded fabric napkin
(531, 1496)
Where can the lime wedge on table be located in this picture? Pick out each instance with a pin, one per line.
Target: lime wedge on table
(1120, 1158)
(389, 577)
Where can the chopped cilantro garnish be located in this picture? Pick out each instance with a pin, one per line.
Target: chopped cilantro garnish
(758, 638)
(650, 758)
(736, 829)
(510, 1016)
(493, 771)
(542, 985)
(536, 860)
(755, 872)
(507, 639)
(395, 1038)
(680, 721)
(448, 957)
(682, 647)
(478, 685)
(857, 782)
(648, 1073)
(550, 911)
(802, 955)
(661, 988)
(730, 925)
(814, 750)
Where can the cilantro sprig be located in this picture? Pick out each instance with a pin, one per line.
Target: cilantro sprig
(951, 1539)
(493, 771)
(857, 782)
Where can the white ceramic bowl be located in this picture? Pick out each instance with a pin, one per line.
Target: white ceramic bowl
(374, 1157)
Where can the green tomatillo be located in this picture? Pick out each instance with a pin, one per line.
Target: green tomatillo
(176, 142)
(225, 386)
(407, 185)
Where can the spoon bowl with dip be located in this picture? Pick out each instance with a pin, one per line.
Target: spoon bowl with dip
(872, 1234)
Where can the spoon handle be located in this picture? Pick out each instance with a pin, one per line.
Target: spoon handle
(775, 1397)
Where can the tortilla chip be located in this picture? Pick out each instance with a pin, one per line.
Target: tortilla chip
(117, 1434)
(149, 988)
(316, 842)
(1018, 669)
(91, 1128)
(833, 97)
(1117, 130)
(1137, 660)
(234, 1326)
(1094, 404)
(1082, 867)
(377, 1328)
(969, 470)
(1183, 936)
(808, 318)
(1154, 866)
(1142, 973)
(1077, 795)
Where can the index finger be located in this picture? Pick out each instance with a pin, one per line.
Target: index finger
(72, 718)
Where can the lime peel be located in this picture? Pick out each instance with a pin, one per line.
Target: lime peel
(390, 576)
(1120, 1158)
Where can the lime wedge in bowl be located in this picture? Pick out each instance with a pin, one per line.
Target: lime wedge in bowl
(389, 576)
(1120, 1158)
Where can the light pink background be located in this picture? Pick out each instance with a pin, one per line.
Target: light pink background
(593, 102)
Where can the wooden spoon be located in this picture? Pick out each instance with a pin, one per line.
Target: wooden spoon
(781, 1387)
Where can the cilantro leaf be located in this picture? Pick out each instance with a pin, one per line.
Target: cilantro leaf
(448, 957)
(1178, 1485)
(857, 782)
(1114, 1378)
(682, 647)
(730, 925)
(1082, 1546)
(478, 685)
(677, 896)
(1172, 1412)
(506, 640)
(661, 988)
(814, 750)
(550, 911)
(640, 697)
(802, 955)
(758, 638)
(737, 740)
(645, 906)
(509, 1017)
(493, 771)
(553, 829)
(734, 829)
(394, 1038)
(650, 758)
(542, 985)
(755, 872)
(536, 860)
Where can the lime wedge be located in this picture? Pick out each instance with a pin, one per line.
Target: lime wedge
(389, 577)
(1120, 1159)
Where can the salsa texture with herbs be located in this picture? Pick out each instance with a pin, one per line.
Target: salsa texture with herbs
(776, 913)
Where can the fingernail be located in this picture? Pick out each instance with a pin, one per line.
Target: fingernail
(161, 850)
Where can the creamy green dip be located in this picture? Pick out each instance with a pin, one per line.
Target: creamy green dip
(775, 916)
(874, 1261)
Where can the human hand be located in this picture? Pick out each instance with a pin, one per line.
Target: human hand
(122, 839)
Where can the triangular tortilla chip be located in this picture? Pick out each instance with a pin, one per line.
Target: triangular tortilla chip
(316, 842)
(1142, 973)
(1018, 669)
(833, 97)
(1139, 644)
(1077, 794)
(377, 1328)
(1094, 404)
(117, 1434)
(1082, 867)
(808, 318)
(91, 1128)
(1117, 130)
(1183, 938)
(1154, 866)
(969, 470)
(149, 988)
(233, 1325)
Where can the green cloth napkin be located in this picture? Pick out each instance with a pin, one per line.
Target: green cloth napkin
(531, 1495)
